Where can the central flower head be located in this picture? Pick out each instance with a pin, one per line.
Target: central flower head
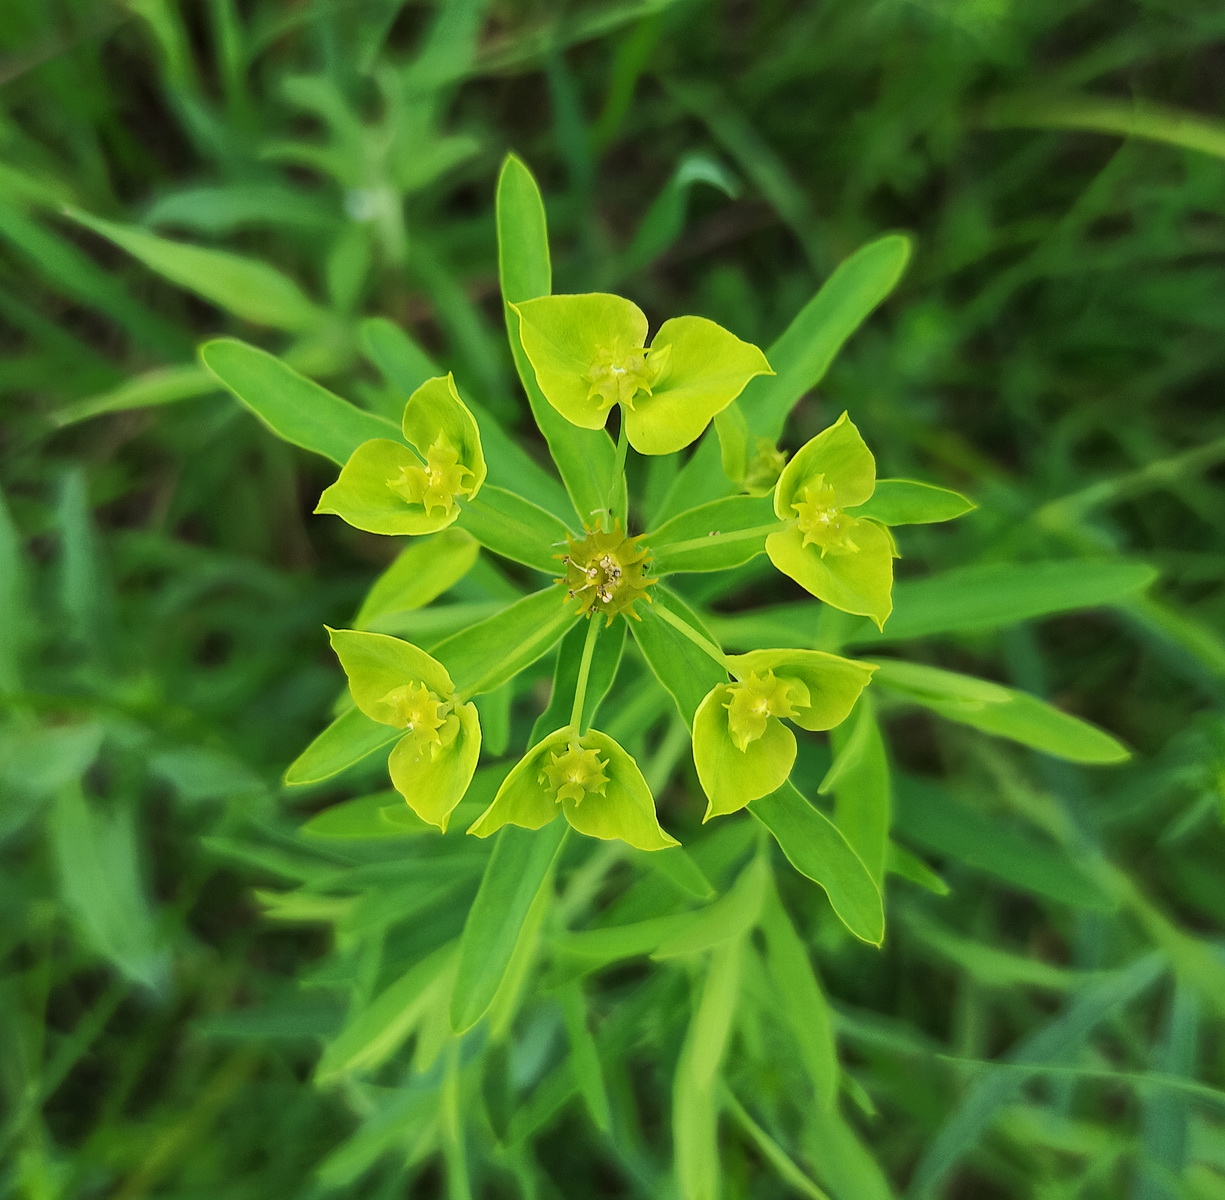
(575, 773)
(757, 698)
(435, 485)
(822, 522)
(422, 714)
(606, 572)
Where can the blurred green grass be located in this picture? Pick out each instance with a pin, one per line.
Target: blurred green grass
(1055, 350)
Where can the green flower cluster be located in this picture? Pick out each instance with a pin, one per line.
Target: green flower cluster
(829, 531)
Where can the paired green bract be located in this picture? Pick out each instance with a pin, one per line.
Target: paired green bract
(589, 353)
(387, 488)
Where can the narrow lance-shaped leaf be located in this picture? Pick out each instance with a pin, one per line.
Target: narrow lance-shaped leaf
(293, 407)
(584, 458)
(802, 355)
(247, 288)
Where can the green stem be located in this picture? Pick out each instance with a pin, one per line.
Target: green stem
(618, 471)
(584, 672)
(716, 539)
(683, 626)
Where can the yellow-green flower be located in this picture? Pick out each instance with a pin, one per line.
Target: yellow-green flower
(838, 554)
(387, 488)
(589, 353)
(590, 780)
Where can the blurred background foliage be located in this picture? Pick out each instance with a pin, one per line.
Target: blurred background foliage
(176, 951)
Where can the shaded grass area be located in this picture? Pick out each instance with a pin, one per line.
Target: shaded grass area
(177, 954)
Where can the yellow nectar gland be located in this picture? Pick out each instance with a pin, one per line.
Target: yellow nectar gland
(606, 572)
(821, 521)
(617, 378)
(755, 700)
(422, 714)
(575, 773)
(435, 485)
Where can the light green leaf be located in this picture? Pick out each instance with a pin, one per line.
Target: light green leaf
(401, 361)
(362, 496)
(101, 887)
(860, 582)
(802, 355)
(421, 572)
(564, 336)
(584, 458)
(695, 1103)
(684, 670)
(349, 739)
(907, 502)
(934, 683)
(833, 683)
(433, 779)
(935, 820)
(164, 385)
(485, 655)
(731, 916)
(585, 1056)
(379, 1030)
(1033, 722)
(863, 793)
(801, 1001)
(714, 536)
(520, 866)
(707, 367)
(293, 407)
(729, 776)
(994, 595)
(816, 847)
(366, 817)
(837, 457)
(516, 529)
(249, 289)
(377, 664)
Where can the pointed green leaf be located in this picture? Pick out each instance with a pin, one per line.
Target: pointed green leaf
(714, 536)
(584, 458)
(293, 407)
(243, 286)
(802, 355)
(731, 916)
(907, 502)
(422, 571)
(1033, 722)
(516, 529)
(817, 849)
(488, 654)
(863, 794)
(351, 738)
(519, 867)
